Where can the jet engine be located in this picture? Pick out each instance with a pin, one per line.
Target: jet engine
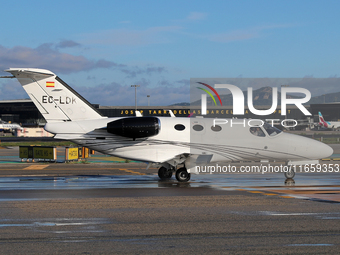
(135, 127)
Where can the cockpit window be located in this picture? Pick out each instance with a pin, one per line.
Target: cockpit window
(257, 131)
(272, 131)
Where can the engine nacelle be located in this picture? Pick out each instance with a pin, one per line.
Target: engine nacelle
(135, 127)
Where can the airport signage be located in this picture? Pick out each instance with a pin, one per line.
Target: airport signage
(38, 152)
(71, 153)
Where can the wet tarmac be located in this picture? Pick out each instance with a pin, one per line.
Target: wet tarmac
(107, 207)
(315, 186)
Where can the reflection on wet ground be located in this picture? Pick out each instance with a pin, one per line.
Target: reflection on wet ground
(87, 225)
(225, 181)
(321, 186)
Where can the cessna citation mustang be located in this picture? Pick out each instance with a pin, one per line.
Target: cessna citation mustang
(175, 144)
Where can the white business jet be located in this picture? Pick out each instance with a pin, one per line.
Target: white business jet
(175, 144)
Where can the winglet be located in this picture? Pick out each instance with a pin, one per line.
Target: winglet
(172, 114)
(138, 114)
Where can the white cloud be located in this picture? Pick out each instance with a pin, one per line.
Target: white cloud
(196, 16)
(48, 56)
(67, 44)
(134, 71)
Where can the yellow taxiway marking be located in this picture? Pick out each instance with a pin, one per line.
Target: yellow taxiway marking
(36, 167)
(255, 191)
(286, 197)
(130, 171)
(269, 194)
(304, 191)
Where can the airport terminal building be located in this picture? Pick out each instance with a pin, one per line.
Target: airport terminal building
(24, 112)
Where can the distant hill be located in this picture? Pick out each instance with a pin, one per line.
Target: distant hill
(180, 104)
(327, 98)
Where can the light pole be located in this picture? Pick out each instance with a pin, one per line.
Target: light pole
(148, 100)
(135, 86)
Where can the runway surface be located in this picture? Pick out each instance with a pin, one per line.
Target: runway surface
(117, 208)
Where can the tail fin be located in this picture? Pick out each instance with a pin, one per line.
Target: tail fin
(56, 100)
(322, 121)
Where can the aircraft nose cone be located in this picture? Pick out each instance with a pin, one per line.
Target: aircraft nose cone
(325, 150)
(317, 150)
(307, 148)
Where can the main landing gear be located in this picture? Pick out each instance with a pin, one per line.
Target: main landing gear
(182, 174)
(164, 173)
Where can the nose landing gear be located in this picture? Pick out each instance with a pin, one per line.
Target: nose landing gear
(290, 174)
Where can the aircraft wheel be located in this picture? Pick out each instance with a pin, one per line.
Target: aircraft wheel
(182, 175)
(164, 173)
(290, 174)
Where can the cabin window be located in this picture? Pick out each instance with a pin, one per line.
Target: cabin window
(179, 127)
(272, 131)
(216, 128)
(198, 127)
(257, 131)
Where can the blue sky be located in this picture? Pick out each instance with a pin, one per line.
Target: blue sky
(102, 47)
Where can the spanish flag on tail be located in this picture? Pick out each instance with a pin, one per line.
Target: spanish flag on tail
(50, 84)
